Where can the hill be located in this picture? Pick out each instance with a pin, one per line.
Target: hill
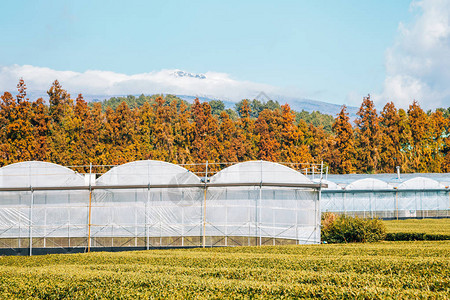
(320, 106)
(297, 104)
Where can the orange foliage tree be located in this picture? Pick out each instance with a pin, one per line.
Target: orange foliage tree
(344, 148)
(367, 137)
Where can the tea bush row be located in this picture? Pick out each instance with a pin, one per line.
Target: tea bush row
(348, 229)
(366, 271)
(415, 236)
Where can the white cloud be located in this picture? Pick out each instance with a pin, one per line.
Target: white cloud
(93, 82)
(418, 64)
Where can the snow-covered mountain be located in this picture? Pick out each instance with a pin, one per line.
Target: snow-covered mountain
(180, 73)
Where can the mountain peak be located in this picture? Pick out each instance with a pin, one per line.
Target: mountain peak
(180, 73)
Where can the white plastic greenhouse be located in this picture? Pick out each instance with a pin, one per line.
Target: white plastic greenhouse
(48, 208)
(418, 197)
(271, 213)
(43, 203)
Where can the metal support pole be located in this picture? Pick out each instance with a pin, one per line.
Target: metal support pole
(20, 230)
(68, 223)
(147, 230)
(160, 219)
(318, 217)
(30, 229)
(204, 206)
(135, 220)
(90, 208)
(437, 206)
(226, 218)
(258, 208)
(345, 200)
(296, 218)
(421, 205)
(321, 171)
(396, 204)
(182, 220)
(317, 206)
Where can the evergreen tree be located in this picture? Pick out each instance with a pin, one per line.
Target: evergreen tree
(40, 121)
(246, 145)
(268, 130)
(421, 152)
(228, 139)
(391, 154)
(367, 133)
(16, 132)
(205, 145)
(343, 161)
(320, 142)
(293, 146)
(162, 130)
(438, 130)
(183, 135)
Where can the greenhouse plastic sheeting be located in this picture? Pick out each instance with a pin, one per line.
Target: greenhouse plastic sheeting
(182, 216)
(48, 218)
(146, 217)
(147, 204)
(267, 213)
(416, 197)
(38, 174)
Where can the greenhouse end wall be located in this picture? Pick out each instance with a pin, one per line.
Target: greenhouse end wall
(46, 208)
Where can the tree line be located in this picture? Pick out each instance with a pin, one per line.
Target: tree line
(74, 132)
(217, 107)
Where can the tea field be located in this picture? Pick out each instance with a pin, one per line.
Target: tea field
(407, 270)
(428, 226)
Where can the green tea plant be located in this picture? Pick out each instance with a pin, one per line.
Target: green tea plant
(395, 270)
(427, 226)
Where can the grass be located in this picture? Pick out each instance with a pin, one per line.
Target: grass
(428, 226)
(372, 271)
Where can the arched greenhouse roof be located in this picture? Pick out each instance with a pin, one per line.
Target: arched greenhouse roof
(38, 174)
(420, 183)
(331, 185)
(259, 171)
(368, 184)
(146, 172)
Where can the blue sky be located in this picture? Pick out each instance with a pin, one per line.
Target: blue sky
(326, 50)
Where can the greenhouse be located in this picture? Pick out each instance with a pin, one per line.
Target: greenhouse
(42, 205)
(47, 208)
(279, 212)
(412, 197)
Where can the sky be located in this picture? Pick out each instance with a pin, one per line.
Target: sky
(333, 51)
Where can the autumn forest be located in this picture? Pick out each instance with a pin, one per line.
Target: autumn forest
(70, 131)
